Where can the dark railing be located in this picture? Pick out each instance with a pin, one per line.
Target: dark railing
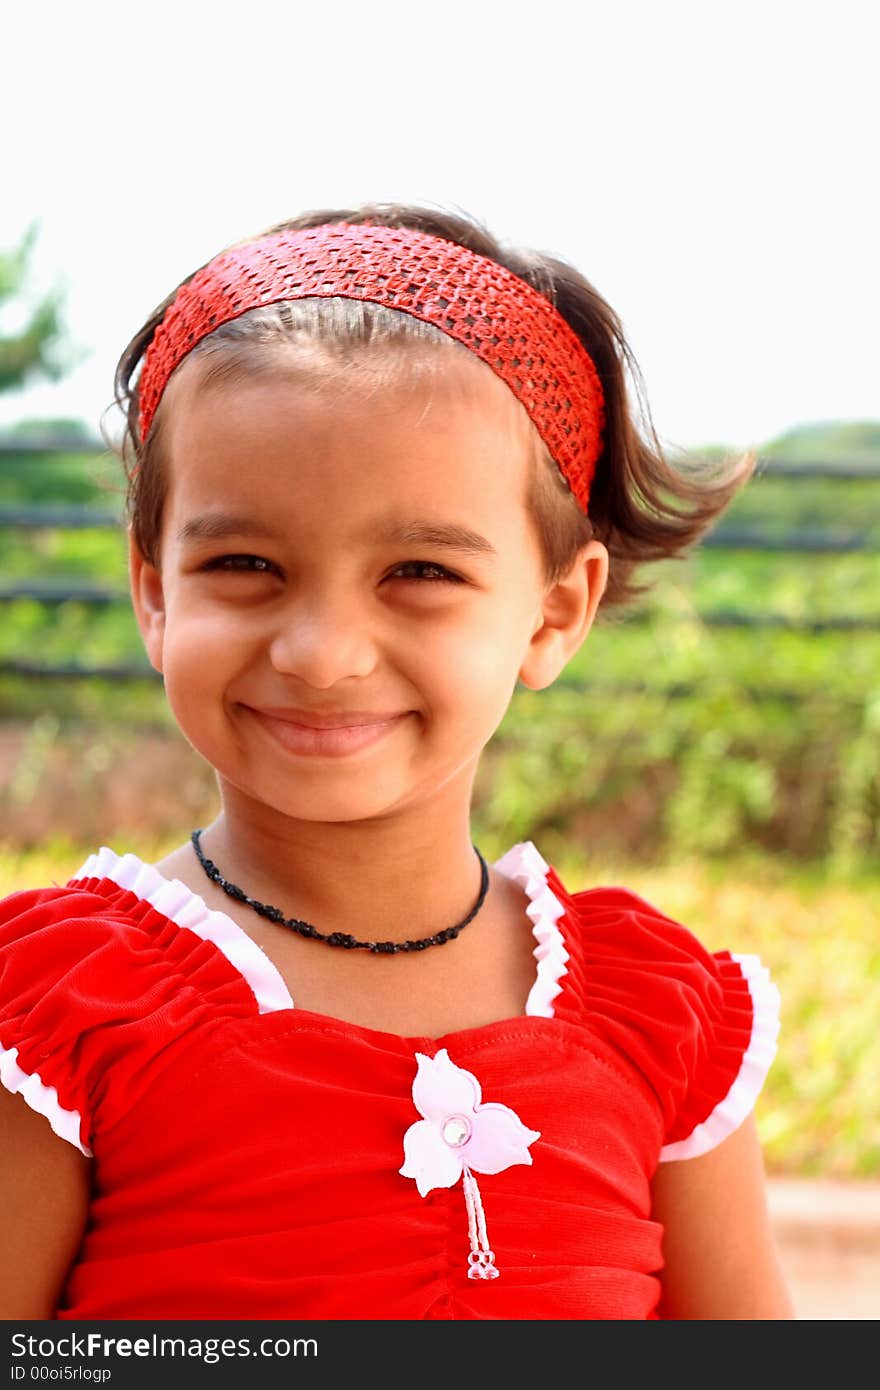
(726, 536)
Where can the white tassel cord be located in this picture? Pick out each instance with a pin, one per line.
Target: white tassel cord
(481, 1260)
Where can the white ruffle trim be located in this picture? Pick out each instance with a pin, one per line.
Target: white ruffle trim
(528, 870)
(179, 903)
(523, 864)
(739, 1102)
(67, 1124)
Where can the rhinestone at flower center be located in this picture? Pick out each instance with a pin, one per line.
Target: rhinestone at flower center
(456, 1131)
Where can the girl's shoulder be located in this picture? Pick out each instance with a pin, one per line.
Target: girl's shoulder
(48, 932)
(700, 1025)
(615, 928)
(95, 975)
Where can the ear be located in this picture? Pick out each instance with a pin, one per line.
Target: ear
(567, 614)
(148, 600)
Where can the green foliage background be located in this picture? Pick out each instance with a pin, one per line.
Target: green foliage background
(37, 346)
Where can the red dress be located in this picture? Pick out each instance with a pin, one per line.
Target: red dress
(247, 1154)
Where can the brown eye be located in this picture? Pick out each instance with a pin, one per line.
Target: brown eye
(438, 574)
(242, 564)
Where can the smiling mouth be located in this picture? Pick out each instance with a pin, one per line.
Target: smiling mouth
(346, 719)
(332, 741)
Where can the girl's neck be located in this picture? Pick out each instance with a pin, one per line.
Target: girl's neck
(394, 879)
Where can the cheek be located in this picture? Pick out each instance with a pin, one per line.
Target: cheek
(474, 667)
(199, 632)
(203, 653)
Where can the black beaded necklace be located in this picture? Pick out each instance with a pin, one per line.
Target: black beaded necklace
(338, 938)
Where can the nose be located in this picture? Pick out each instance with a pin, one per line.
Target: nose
(323, 641)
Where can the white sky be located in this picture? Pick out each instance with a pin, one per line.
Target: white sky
(711, 168)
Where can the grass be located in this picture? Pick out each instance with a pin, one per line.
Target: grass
(816, 930)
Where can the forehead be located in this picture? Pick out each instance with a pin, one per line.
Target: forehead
(323, 441)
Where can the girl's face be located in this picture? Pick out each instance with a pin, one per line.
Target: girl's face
(314, 561)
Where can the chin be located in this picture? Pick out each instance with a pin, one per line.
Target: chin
(319, 804)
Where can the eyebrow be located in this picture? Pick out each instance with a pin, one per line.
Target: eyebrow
(448, 535)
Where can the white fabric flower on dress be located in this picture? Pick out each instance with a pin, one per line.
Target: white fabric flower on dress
(457, 1134)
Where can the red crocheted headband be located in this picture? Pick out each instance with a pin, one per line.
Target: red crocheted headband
(476, 301)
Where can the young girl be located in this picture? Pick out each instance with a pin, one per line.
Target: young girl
(323, 1061)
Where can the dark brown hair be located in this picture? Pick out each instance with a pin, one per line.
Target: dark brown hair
(641, 506)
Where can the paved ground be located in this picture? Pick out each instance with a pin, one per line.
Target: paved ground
(829, 1239)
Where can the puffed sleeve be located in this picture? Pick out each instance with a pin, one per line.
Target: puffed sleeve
(96, 990)
(700, 1026)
